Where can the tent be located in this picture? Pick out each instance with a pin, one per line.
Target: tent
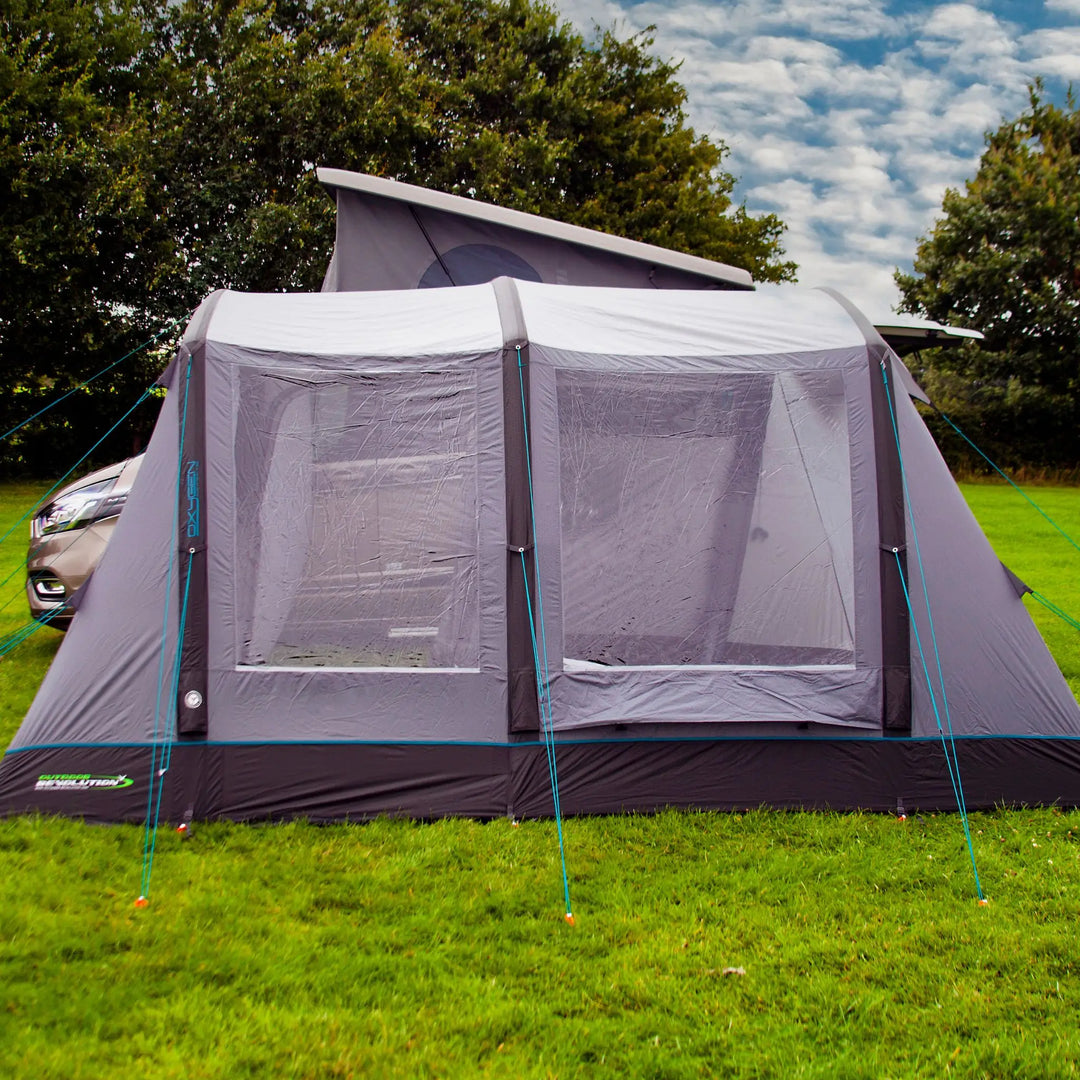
(387, 547)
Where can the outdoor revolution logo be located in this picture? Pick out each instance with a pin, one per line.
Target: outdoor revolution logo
(80, 782)
(194, 524)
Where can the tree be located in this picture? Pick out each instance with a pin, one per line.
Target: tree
(495, 99)
(80, 236)
(156, 150)
(1005, 259)
(526, 114)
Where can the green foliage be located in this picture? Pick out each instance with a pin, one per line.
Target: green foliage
(1005, 259)
(81, 232)
(590, 134)
(153, 151)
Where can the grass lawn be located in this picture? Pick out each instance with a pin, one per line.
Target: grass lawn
(752, 945)
(1034, 550)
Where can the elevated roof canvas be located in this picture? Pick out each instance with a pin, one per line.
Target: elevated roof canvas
(404, 220)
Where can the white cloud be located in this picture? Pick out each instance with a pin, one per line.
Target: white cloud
(1053, 52)
(966, 24)
(834, 20)
(795, 51)
(846, 120)
(930, 172)
(851, 20)
(768, 78)
(971, 42)
(928, 196)
(1059, 39)
(1065, 66)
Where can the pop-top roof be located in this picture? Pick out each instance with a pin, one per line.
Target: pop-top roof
(409, 194)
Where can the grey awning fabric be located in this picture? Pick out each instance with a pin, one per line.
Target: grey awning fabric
(702, 495)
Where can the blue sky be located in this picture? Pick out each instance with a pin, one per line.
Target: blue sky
(849, 118)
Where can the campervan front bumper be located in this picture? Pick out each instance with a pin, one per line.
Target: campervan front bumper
(58, 565)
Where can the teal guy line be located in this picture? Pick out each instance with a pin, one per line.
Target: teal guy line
(1052, 607)
(97, 375)
(166, 754)
(19, 636)
(543, 678)
(142, 397)
(1008, 479)
(953, 776)
(158, 768)
(952, 762)
(1075, 624)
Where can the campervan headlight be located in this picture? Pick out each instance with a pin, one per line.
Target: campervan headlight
(78, 508)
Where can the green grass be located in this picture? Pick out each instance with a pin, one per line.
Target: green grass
(1037, 553)
(439, 950)
(22, 669)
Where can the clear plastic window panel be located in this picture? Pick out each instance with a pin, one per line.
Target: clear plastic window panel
(706, 519)
(361, 532)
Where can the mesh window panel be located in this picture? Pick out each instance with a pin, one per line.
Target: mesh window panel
(706, 519)
(362, 529)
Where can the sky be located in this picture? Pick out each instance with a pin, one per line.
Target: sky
(850, 118)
